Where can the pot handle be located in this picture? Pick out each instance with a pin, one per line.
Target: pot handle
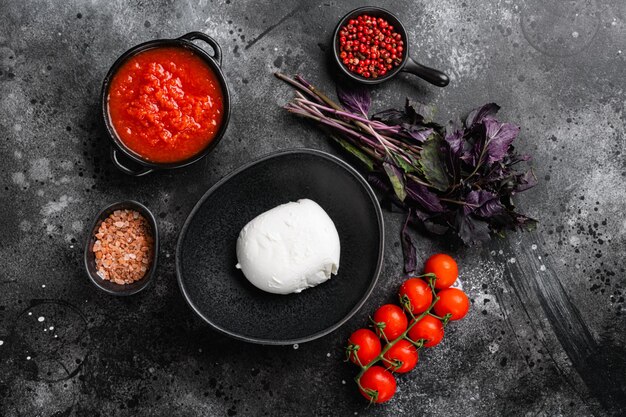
(431, 75)
(217, 51)
(125, 169)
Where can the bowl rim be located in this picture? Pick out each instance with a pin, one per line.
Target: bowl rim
(146, 280)
(373, 280)
(369, 9)
(181, 42)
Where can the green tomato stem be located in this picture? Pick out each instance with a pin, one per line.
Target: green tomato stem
(404, 335)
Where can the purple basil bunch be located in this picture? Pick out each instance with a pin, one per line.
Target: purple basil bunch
(456, 179)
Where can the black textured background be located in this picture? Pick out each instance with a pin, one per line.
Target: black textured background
(546, 332)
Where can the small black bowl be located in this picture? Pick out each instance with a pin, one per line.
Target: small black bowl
(89, 257)
(408, 64)
(214, 61)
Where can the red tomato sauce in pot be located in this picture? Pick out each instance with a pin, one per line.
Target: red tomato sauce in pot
(165, 104)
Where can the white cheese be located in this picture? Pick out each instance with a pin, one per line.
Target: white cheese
(289, 248)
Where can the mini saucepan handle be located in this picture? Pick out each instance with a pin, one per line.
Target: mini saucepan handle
(433, 76)
(217, 51)
(135, 173)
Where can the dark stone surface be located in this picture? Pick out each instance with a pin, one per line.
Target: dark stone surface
(546, 333)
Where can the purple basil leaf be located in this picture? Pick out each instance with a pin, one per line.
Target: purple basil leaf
(499, 137)
(482, 204)
(472, 146)
(432, 223)
(479, 114)
(379, 183)
(511, 220)
(454, 137)
(436, 228)
(502, 221)
(421, 216)
(523, 221)
(356, 152)
(396, 177)
(418, 112)
(518, 158)
(388, 200)
(420, 134)
(469, 158)
(526, 181)
(497, 173)
(470, 229)
(432, 163)
(390, 117)
(408, 248)
(355, 99)
(424, 197)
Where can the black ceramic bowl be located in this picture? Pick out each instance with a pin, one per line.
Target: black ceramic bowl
(206, 251)
(408, 64)
(213, 60)
(89, 257)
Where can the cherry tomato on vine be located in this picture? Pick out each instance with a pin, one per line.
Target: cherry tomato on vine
(416, 293)
(377, 385)
(401, 357)
(452, 301)
(428, 328)
(444, 267)
(390, 321)
(363, 346)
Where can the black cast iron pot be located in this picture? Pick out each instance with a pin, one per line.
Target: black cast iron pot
(119, 151)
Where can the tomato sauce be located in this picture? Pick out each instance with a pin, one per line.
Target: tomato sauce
(166, 104)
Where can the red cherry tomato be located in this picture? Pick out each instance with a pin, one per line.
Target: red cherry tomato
(363, 346)
(377, 385)
(444, 267)
(418, 295)
(428, 328)
(390, 321)
(401, 357)
(453, 301)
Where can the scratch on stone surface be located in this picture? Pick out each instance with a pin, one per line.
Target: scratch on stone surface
(601, 375)
(565, 317)
(507, 319)
(540, 337)
(274, 26)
